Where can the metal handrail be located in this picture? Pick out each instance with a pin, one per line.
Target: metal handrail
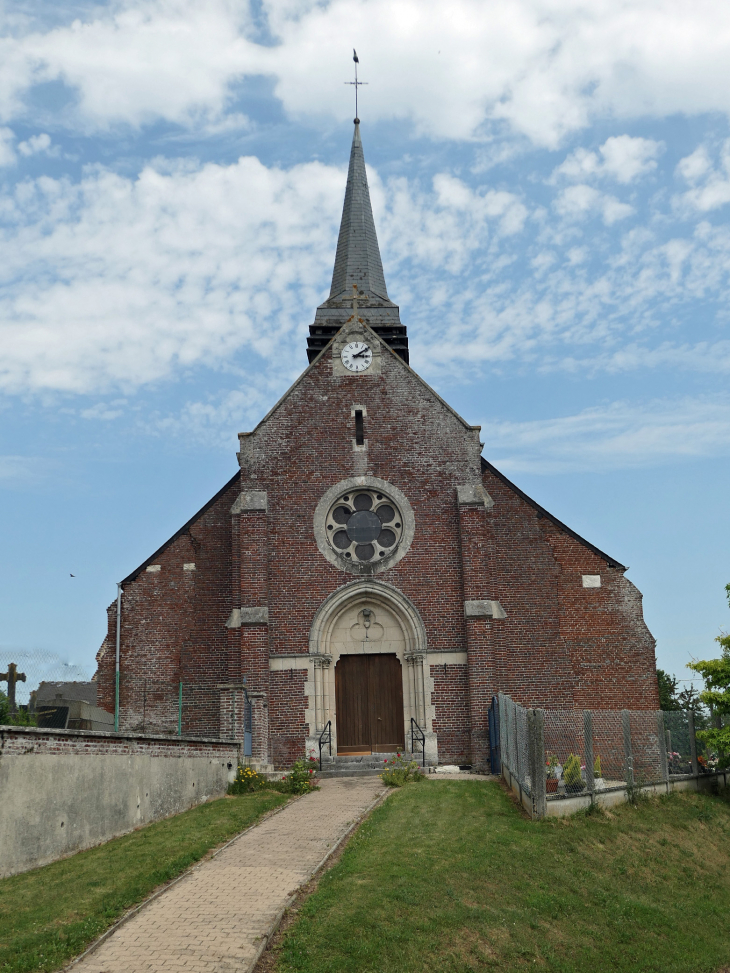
(323, 740)
(418, 734)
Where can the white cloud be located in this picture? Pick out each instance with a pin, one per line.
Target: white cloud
(580, 201)
(615, 436)
(110, 283)
(625, 158)
(622, 157)
(140, 60)
(7, 152)
(18, 470)
(103, 411)
(710, 184)
(218, 420)
(36, 144)
(113, 282)
(544, 68)
(695, 165)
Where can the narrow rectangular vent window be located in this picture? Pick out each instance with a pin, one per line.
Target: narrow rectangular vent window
(359, 428)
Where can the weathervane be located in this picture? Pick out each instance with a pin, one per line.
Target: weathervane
(357, 83)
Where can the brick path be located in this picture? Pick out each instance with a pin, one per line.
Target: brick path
(215, 918)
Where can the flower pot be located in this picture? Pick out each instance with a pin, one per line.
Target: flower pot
(551, 785)
(575, 788)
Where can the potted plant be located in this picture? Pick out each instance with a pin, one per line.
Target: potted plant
(551, 773)
(598, 781)
(572, 777)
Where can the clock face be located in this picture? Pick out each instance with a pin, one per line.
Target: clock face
(356, 356)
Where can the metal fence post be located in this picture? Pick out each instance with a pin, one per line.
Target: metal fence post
(116, 662)
(626, 723)
(693, 742)
(519, 751)
(661, 735)
(588, 749)
(539, 787)
(179, 710)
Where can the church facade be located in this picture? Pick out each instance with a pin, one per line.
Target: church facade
(367, 570)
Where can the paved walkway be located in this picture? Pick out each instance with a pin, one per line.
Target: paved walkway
(213, 920)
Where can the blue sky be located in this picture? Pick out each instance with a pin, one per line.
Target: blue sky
(551, 187)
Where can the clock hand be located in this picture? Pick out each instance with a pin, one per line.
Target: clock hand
(359, 354)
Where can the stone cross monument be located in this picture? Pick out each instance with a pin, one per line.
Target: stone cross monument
(11, 677)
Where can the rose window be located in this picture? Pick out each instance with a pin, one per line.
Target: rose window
(364, 526)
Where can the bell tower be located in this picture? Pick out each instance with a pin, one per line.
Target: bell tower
(358, 270)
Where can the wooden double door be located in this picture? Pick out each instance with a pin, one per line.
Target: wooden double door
(369, 697)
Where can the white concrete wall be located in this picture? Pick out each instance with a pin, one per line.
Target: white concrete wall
(54, 804)
(570, 805)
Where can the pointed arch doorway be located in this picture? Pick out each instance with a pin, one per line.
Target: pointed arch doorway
(368, 648)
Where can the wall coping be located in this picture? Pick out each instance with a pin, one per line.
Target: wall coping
(106, 735)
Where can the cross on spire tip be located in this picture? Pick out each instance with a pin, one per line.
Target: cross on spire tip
(356, 83)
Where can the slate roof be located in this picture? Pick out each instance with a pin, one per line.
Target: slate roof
(357, 260)
(358, 263)
(48, 691)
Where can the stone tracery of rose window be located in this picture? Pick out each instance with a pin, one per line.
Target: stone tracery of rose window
(364, 526)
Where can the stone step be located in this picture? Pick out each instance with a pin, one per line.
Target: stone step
(327, 774)
(365, 765)
(359, 762)
(357, 757)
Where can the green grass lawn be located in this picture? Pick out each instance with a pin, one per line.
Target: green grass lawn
(53, 913)
(448, 876)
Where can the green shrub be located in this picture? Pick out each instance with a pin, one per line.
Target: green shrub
(399, 771)
(597, 767)
(571, 774)
(247, 781)
(300, 779)
(21, 717)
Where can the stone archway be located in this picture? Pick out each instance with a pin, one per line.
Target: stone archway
(367, 618)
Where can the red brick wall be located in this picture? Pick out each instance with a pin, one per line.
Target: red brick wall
(452, 722)
(173, 629)
(31, 740)
(561, 645)
(287, 703)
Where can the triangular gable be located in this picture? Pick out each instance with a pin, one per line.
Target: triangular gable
(612, 562)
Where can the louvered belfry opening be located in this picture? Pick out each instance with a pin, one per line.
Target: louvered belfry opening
(358, 263)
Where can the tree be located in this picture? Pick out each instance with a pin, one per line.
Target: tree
(689, 698)
(667, 690)
(21, 717)
(716, 695)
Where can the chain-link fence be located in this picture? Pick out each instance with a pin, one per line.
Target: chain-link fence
(165, 706)
(31, 681)
(556, 754)
(514, 741)
(41, 689)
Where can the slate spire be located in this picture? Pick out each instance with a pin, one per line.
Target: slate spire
(357, 262)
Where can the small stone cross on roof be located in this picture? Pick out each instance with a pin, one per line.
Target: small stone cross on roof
(355, 298)
(11, 677)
